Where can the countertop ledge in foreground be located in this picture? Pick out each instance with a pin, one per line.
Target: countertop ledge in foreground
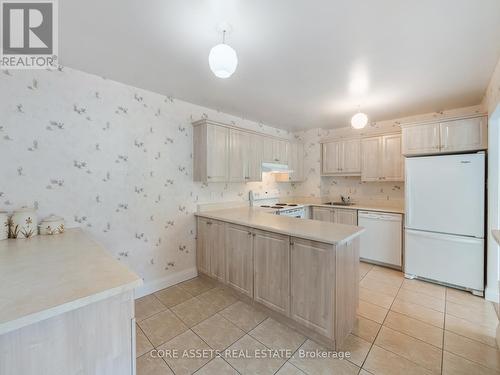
(45, 276)
(264, 219)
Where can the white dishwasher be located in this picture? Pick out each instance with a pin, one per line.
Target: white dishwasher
(382, 242)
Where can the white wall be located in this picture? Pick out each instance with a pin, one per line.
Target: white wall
(114, 160)
(491, 103)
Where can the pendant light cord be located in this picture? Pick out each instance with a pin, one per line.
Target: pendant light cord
(223, 36)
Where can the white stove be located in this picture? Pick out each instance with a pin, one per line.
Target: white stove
(282, 209)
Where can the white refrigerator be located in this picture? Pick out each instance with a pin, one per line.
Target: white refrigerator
(445, 219)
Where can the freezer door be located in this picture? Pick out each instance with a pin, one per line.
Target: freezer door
(446, 194)
(450, 259)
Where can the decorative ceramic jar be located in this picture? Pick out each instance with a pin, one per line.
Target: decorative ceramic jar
(4, 225)
(52, 225)
(24, 223)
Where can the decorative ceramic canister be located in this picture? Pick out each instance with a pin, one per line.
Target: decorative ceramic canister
(24, 223)
(4, 225)
(52, 225)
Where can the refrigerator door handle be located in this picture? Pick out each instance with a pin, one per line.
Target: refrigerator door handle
(444, 236)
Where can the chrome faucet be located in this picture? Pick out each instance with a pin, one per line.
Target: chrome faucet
(345, 200)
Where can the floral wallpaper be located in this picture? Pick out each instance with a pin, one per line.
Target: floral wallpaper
(112, 159)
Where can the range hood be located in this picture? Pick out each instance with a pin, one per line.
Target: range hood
(275, 168)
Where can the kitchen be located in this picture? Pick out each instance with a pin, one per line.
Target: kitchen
(168, 211)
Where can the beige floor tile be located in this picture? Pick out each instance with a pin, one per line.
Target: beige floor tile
(436, 318)
(384, 280)
(149, 365)
(484, 334)
(217, 366)
(277, 336)
(365, 328)
(162, 327)
(364, 372)
(419, 286)
(417, 351)
(472, 350)
(415, 328)
(197, 285)
(465, 298)
(194, 311)
(378, 286)
(147, 306)
(218, 332)
(142, 344)
(377, 298)
(484, 315)
(289, 369)
(387, 275)
(243, 315)
(455, 365)
(186, 364)
(253, 363)
(322, 364)
(358, 348)
(172, 296)
(219, 298)
(425, 300)
(383, 362)
(364, 268)
(371, 311)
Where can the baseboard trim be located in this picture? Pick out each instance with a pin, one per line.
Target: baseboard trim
(491, 294)
(165, 282)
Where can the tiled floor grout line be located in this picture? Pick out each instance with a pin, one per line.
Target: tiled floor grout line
(380, 328)
(288, 360)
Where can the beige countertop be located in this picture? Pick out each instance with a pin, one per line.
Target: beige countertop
(379, 207)
(261, 218)
(46, 276)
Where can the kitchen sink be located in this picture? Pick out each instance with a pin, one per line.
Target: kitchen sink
(340, 203)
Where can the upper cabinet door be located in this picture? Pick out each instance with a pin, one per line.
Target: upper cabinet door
(217, 153)
(330, 157)
(254, 153)
(464, 135)
(351, 156)
(280, 151)
(392, 159)
(238, 156)
(268, 149)
(370, 163)
(421, 139)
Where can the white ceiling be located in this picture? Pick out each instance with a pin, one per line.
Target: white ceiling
(302, 63)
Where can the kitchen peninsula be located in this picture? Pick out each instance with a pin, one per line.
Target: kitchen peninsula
(304, 272)
(66, 307)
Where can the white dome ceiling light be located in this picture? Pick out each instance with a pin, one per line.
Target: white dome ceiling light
(222, 58)
(359, 120)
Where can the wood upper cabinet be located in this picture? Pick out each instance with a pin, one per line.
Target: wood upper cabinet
(421, 139)
(345, 216)
(239, 258)
(271, 270)
(275, 150)
(312, 268)
(464, 135)
(210, 153)
(341, 157)
(469, 134)
(295, 163)
(322, 213)
(382, 159)
(210, 248)
(245, 156)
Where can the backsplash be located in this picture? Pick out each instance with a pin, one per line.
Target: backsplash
(112, 159)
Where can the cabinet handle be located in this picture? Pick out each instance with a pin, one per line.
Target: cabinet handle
(209, 177)
(249, 233)
(253, 234)
(292, 243)
(276, 159)
(209, 222)
(247, 178)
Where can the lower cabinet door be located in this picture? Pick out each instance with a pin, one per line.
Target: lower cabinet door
(239, 258)
(345, 216)
(312, 285)
(202, 246)
(271, 270)
(216, 242)
(322, 213)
